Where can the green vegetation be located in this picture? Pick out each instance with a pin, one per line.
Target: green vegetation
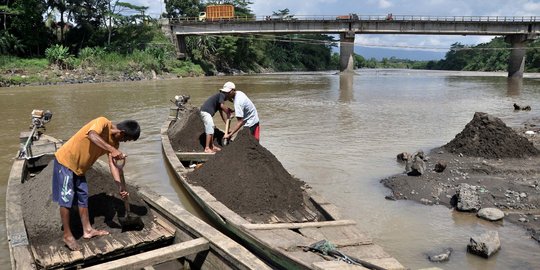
(47, 41)
(490, 56)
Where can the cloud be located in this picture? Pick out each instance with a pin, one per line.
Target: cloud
(385, 4)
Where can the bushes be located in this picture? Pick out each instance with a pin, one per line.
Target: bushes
(59, 55)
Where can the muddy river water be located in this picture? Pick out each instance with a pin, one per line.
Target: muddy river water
(338, 133)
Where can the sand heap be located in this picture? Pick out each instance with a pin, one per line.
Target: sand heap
(42, 215)
(250, 180)
(187, 132)
(488, 137)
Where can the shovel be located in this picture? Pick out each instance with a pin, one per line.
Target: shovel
(129, 222)
(227, 127)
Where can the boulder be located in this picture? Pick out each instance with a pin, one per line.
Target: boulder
(491, 214)
(484, 245)
(403, 157)
(418, 166)
(440, 166)
(467, 198)
(440, 256)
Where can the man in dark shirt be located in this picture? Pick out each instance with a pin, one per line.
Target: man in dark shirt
(209, 108)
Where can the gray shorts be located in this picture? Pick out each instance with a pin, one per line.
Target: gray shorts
(208, 121)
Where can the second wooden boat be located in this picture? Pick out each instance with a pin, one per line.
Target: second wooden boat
(330, 243)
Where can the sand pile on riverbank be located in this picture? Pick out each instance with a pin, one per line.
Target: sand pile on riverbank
(488, 137)
(250, 180)
(42, 215)
(501, 178)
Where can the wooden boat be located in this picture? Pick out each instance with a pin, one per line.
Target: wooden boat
(176, 239)
(286, 245)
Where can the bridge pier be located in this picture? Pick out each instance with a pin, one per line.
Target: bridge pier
(179, 41)
(181, 50)
(516, 61)
(346, 52)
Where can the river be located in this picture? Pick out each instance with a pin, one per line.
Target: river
(338, 133)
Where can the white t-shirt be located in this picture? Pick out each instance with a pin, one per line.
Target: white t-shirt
(243, 107)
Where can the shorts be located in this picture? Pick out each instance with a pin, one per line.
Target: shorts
(67, 187)
(255, 130)
(208, 121)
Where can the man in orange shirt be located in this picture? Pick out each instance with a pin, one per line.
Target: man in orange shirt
(100, 136)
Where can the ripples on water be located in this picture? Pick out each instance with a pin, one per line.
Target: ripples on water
(340, 134)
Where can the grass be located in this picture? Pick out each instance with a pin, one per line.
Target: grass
(94, 62)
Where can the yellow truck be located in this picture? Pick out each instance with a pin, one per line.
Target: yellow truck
(217, 13)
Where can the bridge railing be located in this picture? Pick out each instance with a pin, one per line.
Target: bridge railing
(359, 17)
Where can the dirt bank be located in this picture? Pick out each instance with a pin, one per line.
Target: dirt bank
(501, 163)
(21, 77)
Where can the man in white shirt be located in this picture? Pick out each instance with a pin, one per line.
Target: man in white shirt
(245, 113)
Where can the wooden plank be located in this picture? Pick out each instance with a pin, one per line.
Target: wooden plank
(21, 256)
(282, 239)
(290, 226)
(387, 263)
(42, 149)
(336, 265)
(156, 256)
(340, 236)
(227, 214)
(194, 156)
(203, 193)
(221, 244)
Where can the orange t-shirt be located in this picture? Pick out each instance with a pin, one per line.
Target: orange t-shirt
(79, 153)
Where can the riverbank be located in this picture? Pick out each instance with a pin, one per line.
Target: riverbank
(88, 75)
(42, 74)
(501, 169)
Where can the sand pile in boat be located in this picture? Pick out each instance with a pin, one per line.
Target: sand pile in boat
(187, 132)
(250, 180)
(488, 137)
(42, 215)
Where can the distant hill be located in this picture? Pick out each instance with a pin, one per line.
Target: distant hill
(380, 53)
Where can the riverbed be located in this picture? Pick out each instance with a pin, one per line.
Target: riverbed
(338, 133)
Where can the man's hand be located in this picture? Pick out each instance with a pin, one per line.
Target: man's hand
(123, 193)
(229, 112)
(116, 154)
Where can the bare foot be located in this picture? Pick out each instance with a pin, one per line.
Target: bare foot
(94, 232)
(208, 150)
(71, 243)
(216, 148)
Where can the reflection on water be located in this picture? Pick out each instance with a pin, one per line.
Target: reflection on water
(514, 85)
(346, 93)
(338, 133)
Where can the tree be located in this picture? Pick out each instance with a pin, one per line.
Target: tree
(28, 27)
(182, 8)
(282, 14)
(60, 6)
(114, 14)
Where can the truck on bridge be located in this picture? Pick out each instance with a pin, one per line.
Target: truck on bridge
(351, 16)
(217, 13)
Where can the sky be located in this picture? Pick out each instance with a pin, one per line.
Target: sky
(433, 46)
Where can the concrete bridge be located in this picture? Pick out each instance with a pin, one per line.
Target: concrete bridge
(517, 30)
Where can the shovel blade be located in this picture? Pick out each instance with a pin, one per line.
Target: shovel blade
(131, 223)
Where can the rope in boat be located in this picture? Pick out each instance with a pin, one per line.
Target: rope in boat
(326, 248)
